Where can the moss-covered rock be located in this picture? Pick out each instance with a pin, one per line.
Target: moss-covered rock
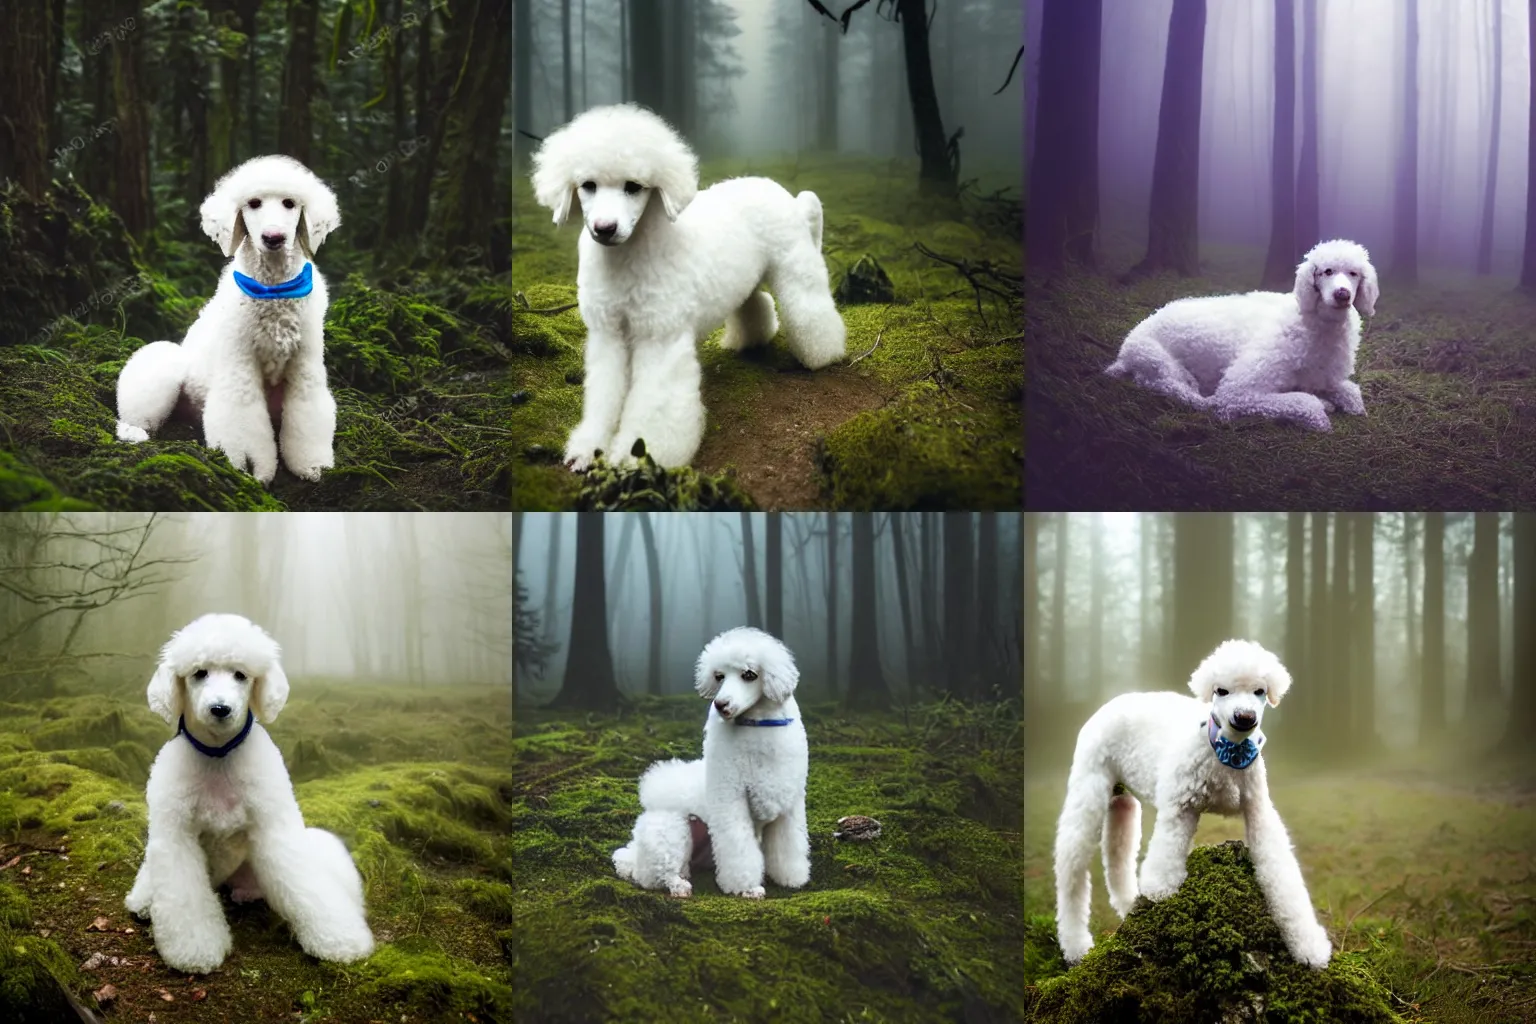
(647, 487)
(382, 341)
(1209, 953)
(865, 281)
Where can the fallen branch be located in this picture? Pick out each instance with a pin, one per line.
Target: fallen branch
(979, 275)
(876, 345)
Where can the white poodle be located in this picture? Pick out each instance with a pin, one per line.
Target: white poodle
(1278, 354)
(656, 276)
(749, 790)
(255, 355)
(1185, 755)
(221, 809)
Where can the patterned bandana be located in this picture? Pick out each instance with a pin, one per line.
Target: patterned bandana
(295, 289)
(1233, 755)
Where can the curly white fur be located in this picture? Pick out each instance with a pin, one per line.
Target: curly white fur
(651, 282)
(749, 789)
(1287, 355)
(1156, 747)
(247, 363)
(233, 819)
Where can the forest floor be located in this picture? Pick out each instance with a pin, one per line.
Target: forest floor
(415, 782)
(925, 413)
(1447, 370)
(921, 924)
(1424, 878)
(417, 361)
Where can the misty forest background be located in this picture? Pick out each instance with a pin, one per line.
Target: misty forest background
(1193, 147)
(121, 117)
(919, 610)
(1401, 758)
(396, 734)
(904, 119)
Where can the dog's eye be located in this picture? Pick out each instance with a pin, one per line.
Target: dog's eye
(632, 188)
(254, 204)
(719, 677)
(1258, 693)
(749, 675)
(240, 677)
(201, 673)
(1221, 693)
(589, 186)
(1354, 274)
(288, 203)
(1328, 272)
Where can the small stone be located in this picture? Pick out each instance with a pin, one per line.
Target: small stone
(101, 924)
(106, 994)
(519, 397)
(857, 827)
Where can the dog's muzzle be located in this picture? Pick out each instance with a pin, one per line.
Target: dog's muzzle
(1233, 755)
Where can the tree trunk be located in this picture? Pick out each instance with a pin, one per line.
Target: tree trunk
(989, 641)
(959, 605)
(1432, 678)
(749, 573)
(395, 186)
(1491, 179)
(1151, 651)
(551, 576)
(1308, 205)
(26, 33)
(828, 95)
(1280, 263)
(866, 682)
(1363, 723)
(773, 553)
(653, 576)
(1405, 231)
(1064, 169)
(1522, 711)
(294, 127)
(647, 31)
(624, 49)
(929, 590)
(1295, 591)
(522, 62)
(1340, 648)
(1032, 637)
(131, 197)
(1202, 586)
(1484, 671)
(1095, 604)
(1410, 606)
(1173, 236)
(589, 680)
(904, 593)
(1318, 649)
(1058, 682)
(566, 93)
(940, 170)
(833, 664)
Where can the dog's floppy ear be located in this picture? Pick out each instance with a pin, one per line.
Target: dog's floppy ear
(319, 217)
(1369, 291)
(563, 206)
(670, 206)
(270, 693)
(1306, 285)
(165, 692)
(1276, 682)
(223, 221)
(780, 675)
(704, 676)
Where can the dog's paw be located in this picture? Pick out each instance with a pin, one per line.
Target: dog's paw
(261, 464)
(681, 888)
(1075, 947)
(756, 892)
(196, 951)
(308, 465)
(342, 944)
(130, 433)
(583, 447)
(1314, 949)
(1157, 886)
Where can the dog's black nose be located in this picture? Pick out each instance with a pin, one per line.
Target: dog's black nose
(605, 229)
(1341, 295)
(220, 711)
(1242, 721)
(721, 706)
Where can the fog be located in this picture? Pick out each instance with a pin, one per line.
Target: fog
(1362, 114)
(411, 598)
(715, 571)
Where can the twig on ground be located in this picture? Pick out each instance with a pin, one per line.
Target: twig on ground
(876, 345)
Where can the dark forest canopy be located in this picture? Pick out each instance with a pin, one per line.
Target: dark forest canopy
(1399, 628)
(877, 608)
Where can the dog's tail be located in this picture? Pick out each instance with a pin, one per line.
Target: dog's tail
(810, 206)
(673, 786)
(148, 388)
(624, 862)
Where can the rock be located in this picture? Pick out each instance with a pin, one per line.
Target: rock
(857, 827)
(865, 282)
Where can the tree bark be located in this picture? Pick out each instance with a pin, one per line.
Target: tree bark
(833, 665)
(1405, 232)
(1064, 169)
(653, 576)
(1173, 235)
(1491, 179)
(1095, 604)
(1308, 204)
(828, 94)
(523, 88)
(1484, 670)
(749, 573)
(1336, 679)
(1363, 722)
(866, 681)
(1432, 678)
(989, 641)
(1032, 637)
(1280, 263)
(1522, 712)
(589, 682)
(939, 174)
(959, 605)
(1058, 681)
(1318, 649)
(773, 557)
(647, 32)
(1202, 586)
(295, 131)
(26, 33)
(131, 193)
(903, 591)
(566, 93)
(1295, 591)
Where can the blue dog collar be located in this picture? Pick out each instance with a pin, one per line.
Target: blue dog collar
(295, 289)
(203, 748)
(764, 721)
(1233, 755)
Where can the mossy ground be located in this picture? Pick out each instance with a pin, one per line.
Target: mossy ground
(921, 924)
(417, 362)
(413, 780)
(1447, 370)
(1425, 885)
(928, 417)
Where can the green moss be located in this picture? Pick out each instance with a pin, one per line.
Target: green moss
(381, 341)
(1209, 952)
(414, 974)
(34, 971)
(647, 487)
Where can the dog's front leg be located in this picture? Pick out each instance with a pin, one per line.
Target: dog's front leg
(787, 848)
(190, 931)
(604, 385)
(1279, 874)
(296, 879)
(1345, 396)
(1167, 860)
(738, 858)
(309, 421)
(236, 422)
(663, 407)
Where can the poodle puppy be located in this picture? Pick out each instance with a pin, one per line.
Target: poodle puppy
(656, 275)
(222, 810)
(1185, 755)
(749, 789)
(255, 356)
(1288, 356)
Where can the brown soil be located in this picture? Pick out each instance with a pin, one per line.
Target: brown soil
(773, 444)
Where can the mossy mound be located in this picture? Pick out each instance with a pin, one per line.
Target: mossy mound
(647, 487)
(35, 974)
(1209, 953)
